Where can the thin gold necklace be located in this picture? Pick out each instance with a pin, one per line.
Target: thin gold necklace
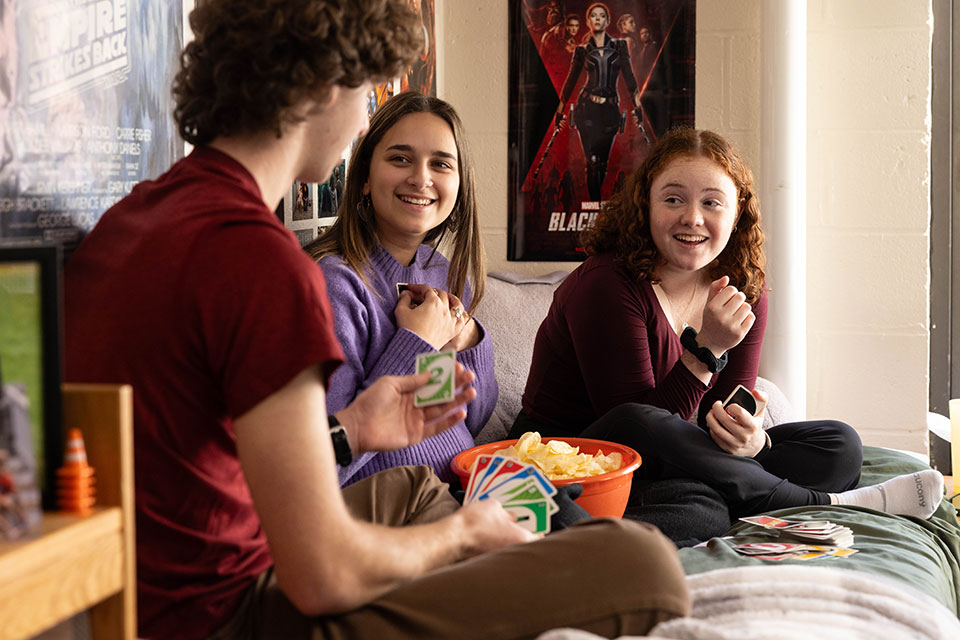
(686, 309)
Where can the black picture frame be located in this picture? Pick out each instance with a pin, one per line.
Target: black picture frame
(44, 261)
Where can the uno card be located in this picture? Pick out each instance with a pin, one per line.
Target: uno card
(552, 507)
(743, 397)
(534, 516)
(765, 548)
(492, 465)
(772, 550)
(779, 556)
(440, 388)
(502, 474)
(838, 552)
(519, 487)
(814, 527)
(479, 465)
(768, 522)
(526, 472)
(403, 286)
(522, 490)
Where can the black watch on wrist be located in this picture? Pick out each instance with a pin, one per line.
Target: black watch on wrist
(688, 338)
(341, 447)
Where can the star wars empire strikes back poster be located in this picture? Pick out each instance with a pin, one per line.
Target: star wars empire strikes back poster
(592, 87)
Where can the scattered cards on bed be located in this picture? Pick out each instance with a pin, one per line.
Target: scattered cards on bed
(821, 531)
(791, 551)
(521, 488)
(441, 388)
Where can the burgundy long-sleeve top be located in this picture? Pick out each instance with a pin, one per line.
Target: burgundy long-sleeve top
(606, 341)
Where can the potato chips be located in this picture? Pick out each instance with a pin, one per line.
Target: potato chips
(559, 460)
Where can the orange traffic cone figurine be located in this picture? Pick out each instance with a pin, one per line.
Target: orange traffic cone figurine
(75, 490)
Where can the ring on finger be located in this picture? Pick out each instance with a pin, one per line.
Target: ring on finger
(457, 313)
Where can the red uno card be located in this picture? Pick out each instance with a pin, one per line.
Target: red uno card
(768, 521)
(509, 467)
(479, 465)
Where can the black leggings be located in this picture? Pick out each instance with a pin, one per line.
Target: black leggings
(807, 461)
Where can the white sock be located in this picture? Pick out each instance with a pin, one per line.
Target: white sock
(912, 494)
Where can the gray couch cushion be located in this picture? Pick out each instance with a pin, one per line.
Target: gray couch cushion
(511, 310)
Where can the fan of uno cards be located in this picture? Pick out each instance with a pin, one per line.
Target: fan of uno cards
(521, 488)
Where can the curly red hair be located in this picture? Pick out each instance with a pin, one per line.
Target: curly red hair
(623, 226)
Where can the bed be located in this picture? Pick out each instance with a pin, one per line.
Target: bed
(904, 581)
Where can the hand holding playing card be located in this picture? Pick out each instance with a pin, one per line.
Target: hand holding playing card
(383, 417)
(489, 527)
(736, 430)
(521, 488)
(428, 312)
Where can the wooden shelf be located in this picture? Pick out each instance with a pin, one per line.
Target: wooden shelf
(74, 563)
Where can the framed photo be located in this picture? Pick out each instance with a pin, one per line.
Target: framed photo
(330, 193)
(302, 199)
(591, 87)
(30, 351)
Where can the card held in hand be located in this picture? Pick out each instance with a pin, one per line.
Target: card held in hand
(522, 489)
(742, 396)
(441, 388)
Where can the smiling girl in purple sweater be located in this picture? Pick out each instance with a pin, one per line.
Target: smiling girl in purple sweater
(409, 188)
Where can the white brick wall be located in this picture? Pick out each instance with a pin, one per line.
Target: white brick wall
(868, 194)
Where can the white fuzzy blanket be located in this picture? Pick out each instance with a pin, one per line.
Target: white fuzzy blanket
(793, 602)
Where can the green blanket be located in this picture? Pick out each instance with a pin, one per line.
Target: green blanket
(925, 554)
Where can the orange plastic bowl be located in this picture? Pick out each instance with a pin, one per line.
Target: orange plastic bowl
(603, 496)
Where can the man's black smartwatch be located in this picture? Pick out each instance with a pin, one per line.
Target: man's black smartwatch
(341, 447)
(688, 338)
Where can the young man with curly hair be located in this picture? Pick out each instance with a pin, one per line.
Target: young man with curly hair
(191, 290)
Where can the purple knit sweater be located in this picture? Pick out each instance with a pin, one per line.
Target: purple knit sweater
(373, 347)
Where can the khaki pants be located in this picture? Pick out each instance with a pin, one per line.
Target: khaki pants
(610, 577)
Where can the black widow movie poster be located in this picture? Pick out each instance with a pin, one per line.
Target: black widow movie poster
(592, 87)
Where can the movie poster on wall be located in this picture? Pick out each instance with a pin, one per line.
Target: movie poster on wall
(592, 86)
(422, 74)
(85, 109)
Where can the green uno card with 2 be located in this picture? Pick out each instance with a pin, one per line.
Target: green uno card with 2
(441, 387)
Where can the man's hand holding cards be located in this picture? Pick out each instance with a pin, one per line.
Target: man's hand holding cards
(521, 488)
